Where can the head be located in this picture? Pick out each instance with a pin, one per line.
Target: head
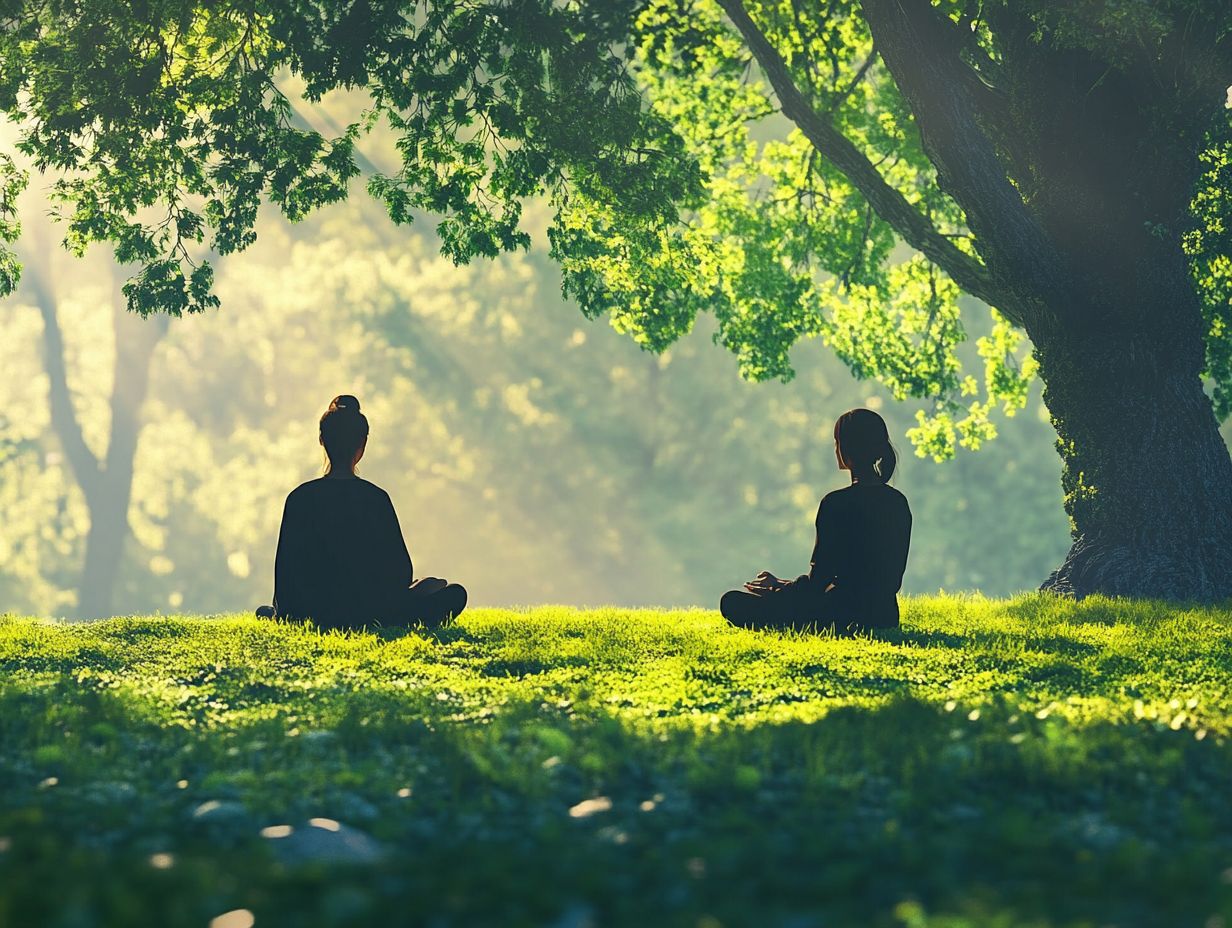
(344, 435)
(862, 446)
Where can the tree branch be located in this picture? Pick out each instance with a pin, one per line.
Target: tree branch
(922, 56)
(299, 119)
(890, 204)
(841, 96)
(982, 79)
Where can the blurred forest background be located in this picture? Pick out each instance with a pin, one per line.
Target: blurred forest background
(533, 455)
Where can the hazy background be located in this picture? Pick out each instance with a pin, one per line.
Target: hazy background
(532, 455)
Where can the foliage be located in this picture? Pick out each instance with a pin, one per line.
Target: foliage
(13, 181)
(1209, 246)
(785, 246)
(676, 185)
(174, 108)
(992, 763)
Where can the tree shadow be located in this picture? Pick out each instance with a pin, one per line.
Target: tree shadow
(926, 638)
(540, 807)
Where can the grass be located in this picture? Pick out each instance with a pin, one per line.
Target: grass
(1031, 762)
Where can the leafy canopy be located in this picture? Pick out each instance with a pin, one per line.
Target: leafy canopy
(675, 184)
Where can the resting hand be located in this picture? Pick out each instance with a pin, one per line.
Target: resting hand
(765, 582)
(428, 585)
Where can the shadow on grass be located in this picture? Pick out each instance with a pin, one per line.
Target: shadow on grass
(525, 810)
(1060, 644)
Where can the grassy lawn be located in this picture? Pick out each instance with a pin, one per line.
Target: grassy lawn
(1031, 762)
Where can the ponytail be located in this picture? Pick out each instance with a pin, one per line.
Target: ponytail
(863, 442)
(886, 462)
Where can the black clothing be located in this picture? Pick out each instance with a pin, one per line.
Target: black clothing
(405, 607)
(342, 560)
(863, 534)
(783, 608)
(413, 605)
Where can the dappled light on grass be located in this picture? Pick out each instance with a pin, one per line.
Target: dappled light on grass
(989, 761)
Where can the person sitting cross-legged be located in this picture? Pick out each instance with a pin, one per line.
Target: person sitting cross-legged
(342, 561)
(863, 534)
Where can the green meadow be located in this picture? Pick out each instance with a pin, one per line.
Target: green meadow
(1029, 762)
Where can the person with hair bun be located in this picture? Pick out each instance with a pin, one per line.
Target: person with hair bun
(863, 533)
(342, 561)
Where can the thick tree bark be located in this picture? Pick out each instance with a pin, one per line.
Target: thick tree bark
(1147, 476)
(1092, 264)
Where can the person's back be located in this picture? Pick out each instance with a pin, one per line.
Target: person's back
(342, 561)
(863, 534)
(340, 553)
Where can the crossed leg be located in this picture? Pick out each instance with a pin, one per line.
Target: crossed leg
(789, 608)
(431, 608)
(426, 603)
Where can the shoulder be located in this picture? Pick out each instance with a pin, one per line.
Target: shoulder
(371, 494)
(898, 503)
(305, 489)
(371, 489)
(840, 497)
(886, 496)
(835, 499)
(895, 494)
(858, 495)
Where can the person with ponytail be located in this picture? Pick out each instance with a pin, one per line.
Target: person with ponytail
(863, 533)
(342, 561)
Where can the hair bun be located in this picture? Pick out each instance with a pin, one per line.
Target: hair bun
(345, 401)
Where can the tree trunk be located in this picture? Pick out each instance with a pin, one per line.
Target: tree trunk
(106, 485)
(135, 342)
(1083, 245)
(1147, 476)
(104, 549)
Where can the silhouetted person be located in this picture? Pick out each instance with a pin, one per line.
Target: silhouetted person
(863, 532)
(342, 561)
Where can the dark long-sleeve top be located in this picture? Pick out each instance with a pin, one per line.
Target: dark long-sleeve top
(341, 555)
(863, 534)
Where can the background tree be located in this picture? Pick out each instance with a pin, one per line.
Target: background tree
(105, 479)
(842, 169)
